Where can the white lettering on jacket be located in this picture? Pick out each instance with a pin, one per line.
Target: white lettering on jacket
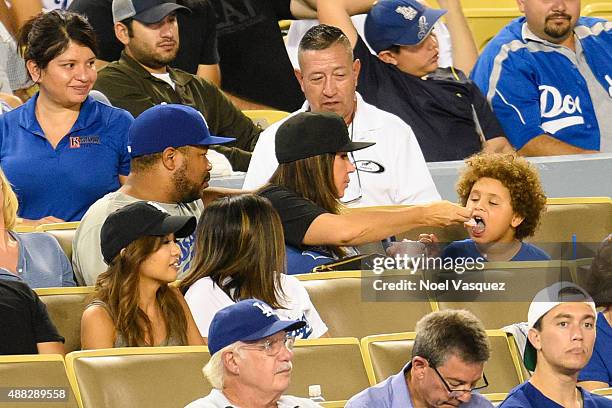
(609, 81)
(553, 104)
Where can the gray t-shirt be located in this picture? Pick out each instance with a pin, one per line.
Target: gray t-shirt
(87, 260)
(216, 399)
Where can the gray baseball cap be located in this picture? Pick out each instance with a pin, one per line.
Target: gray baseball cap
(145, 11)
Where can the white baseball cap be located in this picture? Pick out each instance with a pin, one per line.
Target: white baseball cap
(546, 300)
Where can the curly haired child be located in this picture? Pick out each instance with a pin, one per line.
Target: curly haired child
(507, 199)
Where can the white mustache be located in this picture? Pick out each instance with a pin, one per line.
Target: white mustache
(285, 366)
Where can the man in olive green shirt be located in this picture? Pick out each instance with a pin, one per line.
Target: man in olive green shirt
(142, 78)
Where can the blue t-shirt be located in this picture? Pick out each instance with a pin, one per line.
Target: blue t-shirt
(599, 367)
(393, 392)
(64, 181)
(41, 262)
(526, 396)
(303, 261)
(535, 87)
(467, 249)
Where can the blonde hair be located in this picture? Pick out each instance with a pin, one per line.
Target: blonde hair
(10, 204)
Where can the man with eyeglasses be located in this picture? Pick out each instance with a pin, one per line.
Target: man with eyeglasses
(561, 322)
(446, 368)
(250, 365)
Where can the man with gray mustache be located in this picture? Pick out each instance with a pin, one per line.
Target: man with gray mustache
(251, 351)
(548, 76)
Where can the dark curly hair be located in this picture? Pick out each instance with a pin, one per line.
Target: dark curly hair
(516, 174)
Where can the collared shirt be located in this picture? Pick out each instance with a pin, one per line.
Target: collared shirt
(393, 171)
(537, 87)
(63, 181)
(394, 393)
(41, 262)
(216, 399)
(128, 85)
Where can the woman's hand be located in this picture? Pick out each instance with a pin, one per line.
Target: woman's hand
(445, 213)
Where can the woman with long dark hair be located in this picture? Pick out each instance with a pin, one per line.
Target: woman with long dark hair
(240, 254)
(133, 304)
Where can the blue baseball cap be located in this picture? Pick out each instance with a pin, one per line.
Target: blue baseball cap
(399, 22)
(169, 125)
(247, 320)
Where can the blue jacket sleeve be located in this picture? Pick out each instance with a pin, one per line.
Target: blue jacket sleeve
(514, 95)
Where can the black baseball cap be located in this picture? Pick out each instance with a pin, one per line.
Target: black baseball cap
(145, 11)
(137, 220)
(310, 134)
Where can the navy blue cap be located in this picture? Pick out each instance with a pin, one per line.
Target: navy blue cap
(247, 320)
(399, 22)
(169, 125)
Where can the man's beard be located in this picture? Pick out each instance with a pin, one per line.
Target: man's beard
(186, 190)
(558, 31)
(151, 60)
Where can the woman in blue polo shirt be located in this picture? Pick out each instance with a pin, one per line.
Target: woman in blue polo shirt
(62, 150)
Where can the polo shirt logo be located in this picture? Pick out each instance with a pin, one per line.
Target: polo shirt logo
(408, 12)
(77, 141)
(369, 166)
(553, 105)
(423, 27)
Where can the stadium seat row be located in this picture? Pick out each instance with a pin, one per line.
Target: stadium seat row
(171, 376)
(351, 307)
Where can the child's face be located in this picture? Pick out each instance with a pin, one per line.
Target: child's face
(493, 212)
